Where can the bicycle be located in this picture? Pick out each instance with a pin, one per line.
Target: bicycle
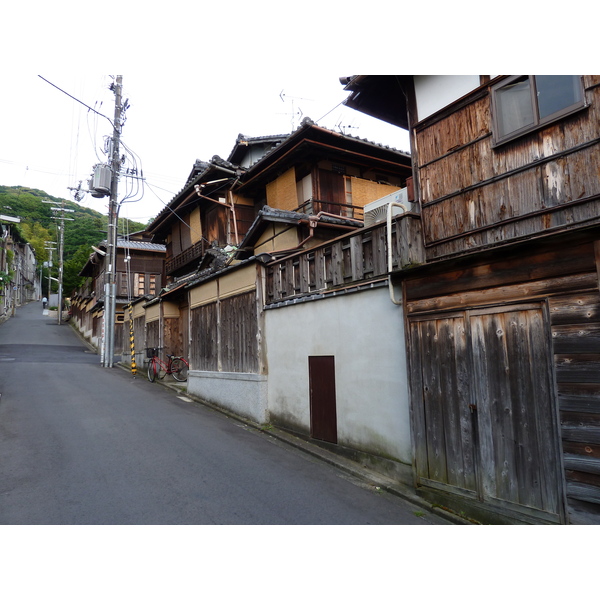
(176, 366)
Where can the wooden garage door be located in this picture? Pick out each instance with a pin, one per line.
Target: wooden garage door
(485, 416)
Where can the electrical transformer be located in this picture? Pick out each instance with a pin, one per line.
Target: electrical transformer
(101, 180)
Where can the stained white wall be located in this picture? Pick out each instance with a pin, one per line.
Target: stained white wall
(365, 333)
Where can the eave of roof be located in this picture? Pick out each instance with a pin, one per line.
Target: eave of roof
(144, 246)
(268, 215)
(202, 278)
(345, 144)
(188, 192)
(95, 257)
(380, 96)
(242, 142)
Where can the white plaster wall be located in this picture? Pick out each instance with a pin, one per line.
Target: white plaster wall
(243, 394)
(434, 92)
(365, 333)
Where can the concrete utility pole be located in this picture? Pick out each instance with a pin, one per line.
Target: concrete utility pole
(113, 220)
(49, 246)
(61, 244)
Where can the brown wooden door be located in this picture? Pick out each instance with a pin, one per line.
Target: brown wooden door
(332, 192)
(445, 451)
(516, 414)
(323, 417)
(485, 416)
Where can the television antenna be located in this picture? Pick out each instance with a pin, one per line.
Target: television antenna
(296, 114)
(343, 128)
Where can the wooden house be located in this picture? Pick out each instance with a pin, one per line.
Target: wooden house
(313, 171)
(503, 317)
(296, 192)
(200, 222)
(139, 273)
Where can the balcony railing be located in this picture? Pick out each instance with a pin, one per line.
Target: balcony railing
(314, 206)
(183, 258)
(346, 262)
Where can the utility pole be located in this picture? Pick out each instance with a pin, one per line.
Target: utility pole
(61, 244)
(113, 220)
(50, 247)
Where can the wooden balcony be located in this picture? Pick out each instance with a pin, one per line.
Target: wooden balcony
(345, 211)
(347, 262)
(184, 258)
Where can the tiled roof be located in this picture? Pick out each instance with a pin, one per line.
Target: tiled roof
(201, 167)
(133, 245)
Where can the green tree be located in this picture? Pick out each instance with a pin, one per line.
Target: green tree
(37, 235)
(38, 226)
(72, 268)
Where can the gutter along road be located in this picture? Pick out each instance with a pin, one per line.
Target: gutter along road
(83, 444)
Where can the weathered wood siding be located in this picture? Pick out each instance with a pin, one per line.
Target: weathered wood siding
(575, 320)
(153, 335)
(455, 357)
(139, 335)
(173, 339)
(204, 345)
(349, 260)
(473, 195)
(225, 335)
(119, 343)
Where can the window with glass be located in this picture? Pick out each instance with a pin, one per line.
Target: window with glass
(523, 103)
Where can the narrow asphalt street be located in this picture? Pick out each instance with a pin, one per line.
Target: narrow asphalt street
(81, 444)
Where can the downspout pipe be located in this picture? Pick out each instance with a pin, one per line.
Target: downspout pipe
(389, 246)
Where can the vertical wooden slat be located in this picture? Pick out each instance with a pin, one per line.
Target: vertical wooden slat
(367, 250)
(417, 387)
(433, 403)
(319, 269)
(304, 275)
(356, 257)
(379, 251)
(337, 264)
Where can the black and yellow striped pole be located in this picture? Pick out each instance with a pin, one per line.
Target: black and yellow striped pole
(132, 342)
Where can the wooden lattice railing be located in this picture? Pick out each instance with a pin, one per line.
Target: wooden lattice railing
(345, 262)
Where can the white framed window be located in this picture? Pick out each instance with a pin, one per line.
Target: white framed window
(523, 103)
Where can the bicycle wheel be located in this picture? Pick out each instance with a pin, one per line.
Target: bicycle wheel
(151, 370)
(160, 370)
(179, 369)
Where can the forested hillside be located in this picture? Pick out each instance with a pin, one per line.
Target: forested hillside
(38, 226)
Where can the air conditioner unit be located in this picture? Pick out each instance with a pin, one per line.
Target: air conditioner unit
(101, 181)
(376, 212)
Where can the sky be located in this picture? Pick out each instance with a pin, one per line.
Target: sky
(197, 75)
(51, 141)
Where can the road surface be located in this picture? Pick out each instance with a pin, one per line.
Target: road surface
(82, 444)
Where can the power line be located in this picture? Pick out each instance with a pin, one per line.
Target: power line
(77, 100)
(342, 102)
